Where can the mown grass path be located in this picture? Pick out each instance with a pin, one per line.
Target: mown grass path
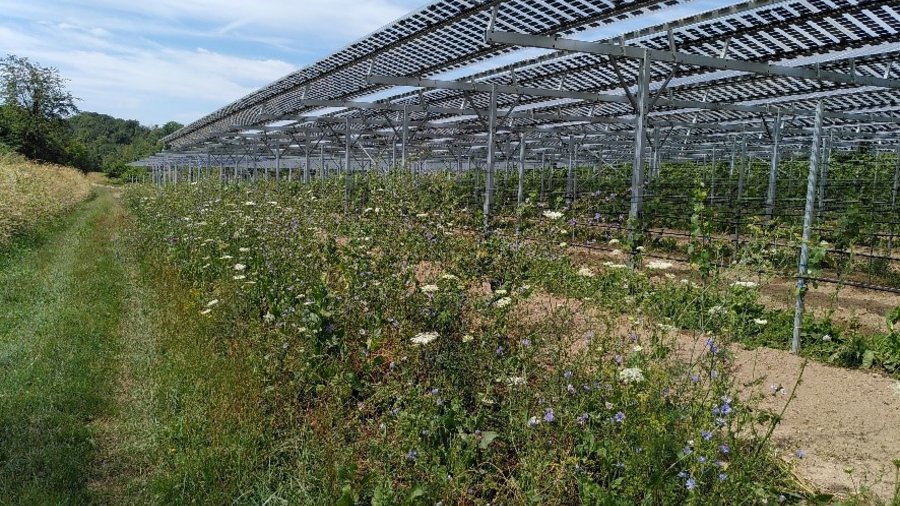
(112, 389)
(61, 301)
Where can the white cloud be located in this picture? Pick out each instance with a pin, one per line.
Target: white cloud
(173, 59)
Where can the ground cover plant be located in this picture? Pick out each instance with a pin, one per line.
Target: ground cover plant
(405, 359)
(33, 192)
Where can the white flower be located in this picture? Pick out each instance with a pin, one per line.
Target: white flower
(424, 338)
(450, 277)
(239, 267)
(269, 317)
(563, 245)
(501, 303)
(745, 284)
(467, 338)
(669, 275)
(616, 252)
(250, 203)
(430, 289)
(212, 303)
(613, 242)
(225, 257)
(553, 215)
(826, 338)
(586, 272)
(659, 266)
(640, 248)
(760, 321)
(501, 292)
(631, 375)
(515, 381)
(239, 277)
(244, 250)
(638, 349)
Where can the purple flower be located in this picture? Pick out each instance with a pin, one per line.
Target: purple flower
(412, 455)
(695, 378)
(701, 459)
(619, 417)
(434, 391)
(691, 484)
(499, 351)
(687, 450)
(549, 416)
(582, 419)
(526, 342)
(800, 454)
(723, 476)
(683, 474)
(707, 435)
(724, 449)
(567, 374)
(711, 346)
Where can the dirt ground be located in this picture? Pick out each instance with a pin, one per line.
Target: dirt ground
(845, 422)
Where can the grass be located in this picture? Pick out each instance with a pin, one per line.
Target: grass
(33, 193)
(61, 297)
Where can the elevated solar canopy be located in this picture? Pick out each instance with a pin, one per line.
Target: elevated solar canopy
(469, 83)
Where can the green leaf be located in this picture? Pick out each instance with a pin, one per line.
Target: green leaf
(487, 438)
(868, 359)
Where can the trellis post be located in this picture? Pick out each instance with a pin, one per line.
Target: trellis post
(807, 228)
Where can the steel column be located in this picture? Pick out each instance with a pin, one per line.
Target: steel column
(807, 227)
(773, 169)
(640, 139)
(489, 169)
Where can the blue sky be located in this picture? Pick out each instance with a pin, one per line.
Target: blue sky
(162, 60)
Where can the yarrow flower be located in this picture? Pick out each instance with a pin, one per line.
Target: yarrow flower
(760, 321)
(659, 266)
(631, 375)
(424, 338)
(502, 303)
(430, 289)
(553, 215)
(745, 284)
(467, 338)
(240, 267)
(586, 272)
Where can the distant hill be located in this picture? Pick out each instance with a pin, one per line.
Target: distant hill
(111, 143)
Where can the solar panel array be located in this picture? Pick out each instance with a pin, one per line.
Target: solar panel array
(445, 41)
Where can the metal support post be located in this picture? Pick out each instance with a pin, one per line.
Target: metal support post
(640, 139)
(404, 141)
(489, 168)
(521, 195)
(347, 168)
(894, 192)
(807, 227)
(570, 173)
(773, 169)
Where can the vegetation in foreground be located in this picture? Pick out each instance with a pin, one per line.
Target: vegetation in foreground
(32, 193)
(399, 360)
(60, 294)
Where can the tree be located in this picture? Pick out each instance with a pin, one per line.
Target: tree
(34, 104)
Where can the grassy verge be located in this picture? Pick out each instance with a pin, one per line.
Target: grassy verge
(60, 295)
(32, 193)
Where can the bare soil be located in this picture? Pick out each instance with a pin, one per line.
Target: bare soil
(845, 422)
